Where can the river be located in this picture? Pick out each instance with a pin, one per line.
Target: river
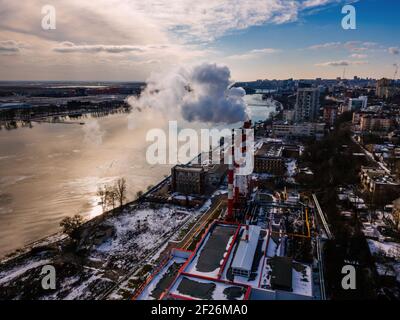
(51, 171)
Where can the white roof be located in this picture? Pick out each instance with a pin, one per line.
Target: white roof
(246, 250)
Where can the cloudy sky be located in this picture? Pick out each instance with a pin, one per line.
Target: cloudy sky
(257, 39)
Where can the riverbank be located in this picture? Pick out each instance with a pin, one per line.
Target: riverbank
(111, 247)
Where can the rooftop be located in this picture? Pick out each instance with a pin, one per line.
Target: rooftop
(246, 250)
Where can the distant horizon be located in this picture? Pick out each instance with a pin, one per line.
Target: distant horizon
(144, 81)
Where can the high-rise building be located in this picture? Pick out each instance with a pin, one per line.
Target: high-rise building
(383, 88)
(307, 104)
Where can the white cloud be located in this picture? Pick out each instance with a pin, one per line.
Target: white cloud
(254, 54)
(130, 33)
(353, 46)
(315, 3)
(340, 63)
(67, 47)
(328, 45)
(358, 56)
(119, 19)
(11, 46)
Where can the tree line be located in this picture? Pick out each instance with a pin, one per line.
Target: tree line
(112, 195)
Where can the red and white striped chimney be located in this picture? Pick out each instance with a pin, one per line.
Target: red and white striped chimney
(246, 236)
(231, 169)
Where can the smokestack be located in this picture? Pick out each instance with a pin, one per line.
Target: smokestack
(244, 142)
(221, 151)
(229, 216)
(243, 181)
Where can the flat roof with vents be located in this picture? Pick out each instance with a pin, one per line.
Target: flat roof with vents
(246, 250)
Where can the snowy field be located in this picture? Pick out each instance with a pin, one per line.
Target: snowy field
(387, 249)
(138, 233)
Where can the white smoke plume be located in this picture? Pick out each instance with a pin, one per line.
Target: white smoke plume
(200, 93)
(93, 133)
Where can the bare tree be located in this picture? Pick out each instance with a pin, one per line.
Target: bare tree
(111, 195)
(120, 189)
(102, 193)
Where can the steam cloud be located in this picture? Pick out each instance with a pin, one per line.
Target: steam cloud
(93, 133)
(201, 93)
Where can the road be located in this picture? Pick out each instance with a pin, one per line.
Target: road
(322, 216)
(371, 156)
(200, 225)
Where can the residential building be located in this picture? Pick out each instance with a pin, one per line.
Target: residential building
(288, 115)
(330, 115)
(375, 123)
(381, 87)
(307, 104)
(385, 88)
(378, 181)
(307, 129)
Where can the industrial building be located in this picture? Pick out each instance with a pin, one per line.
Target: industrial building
(260, 247)
(197, 179)
(232, 262)
(243, 260)
(268, 159)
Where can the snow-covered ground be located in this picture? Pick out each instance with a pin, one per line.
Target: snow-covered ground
(266, 275)
(138, 233)
(146, 293)
(301, 279)
(151, 226)
(387, 249)
(9, 275)
(291, 167)
(387, 256)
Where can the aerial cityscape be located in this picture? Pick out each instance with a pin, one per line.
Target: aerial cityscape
(219, 150)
